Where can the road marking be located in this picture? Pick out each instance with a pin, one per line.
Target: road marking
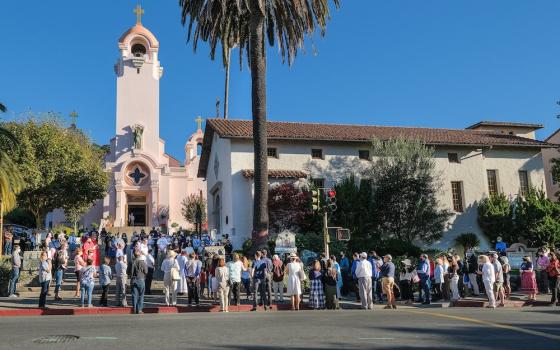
(100, 338)
(488, 323)
(380, 338)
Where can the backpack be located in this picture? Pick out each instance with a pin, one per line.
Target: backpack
(260, 270)
(59, 260)
(277, 273)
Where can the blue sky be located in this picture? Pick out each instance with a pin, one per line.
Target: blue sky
(434, 63)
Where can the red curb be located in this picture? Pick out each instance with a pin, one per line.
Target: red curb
(128, 310)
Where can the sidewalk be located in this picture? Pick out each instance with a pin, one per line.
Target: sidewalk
(26, 304)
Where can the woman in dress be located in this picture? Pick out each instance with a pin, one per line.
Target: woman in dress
(330, 281)
(169, 283)
(79, 263)
(316, 294)
(528, 280)
(294, 270)
(453, 271)
(91, 251)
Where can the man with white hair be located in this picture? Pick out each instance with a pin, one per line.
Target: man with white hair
(388, 280)
(364, 273)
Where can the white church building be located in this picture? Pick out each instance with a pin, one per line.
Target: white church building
(481, 159)
(147, 185)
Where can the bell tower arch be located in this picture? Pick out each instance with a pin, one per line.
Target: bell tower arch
(138, 73)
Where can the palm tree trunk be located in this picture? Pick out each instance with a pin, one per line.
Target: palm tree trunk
(226, 97)
(258, 78)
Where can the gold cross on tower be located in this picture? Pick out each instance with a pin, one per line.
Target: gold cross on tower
(199, 121)
(139, 11)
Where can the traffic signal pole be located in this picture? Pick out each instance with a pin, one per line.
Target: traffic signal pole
(326, 233)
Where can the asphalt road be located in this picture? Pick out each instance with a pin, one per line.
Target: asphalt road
(459, 328)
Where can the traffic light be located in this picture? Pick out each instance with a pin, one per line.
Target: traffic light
(331, 200)
(315, 200)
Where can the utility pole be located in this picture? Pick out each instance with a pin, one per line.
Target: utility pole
(326, 233)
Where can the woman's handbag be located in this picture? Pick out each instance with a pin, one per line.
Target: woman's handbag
(301, 275)
(415, 278)
(175, 276)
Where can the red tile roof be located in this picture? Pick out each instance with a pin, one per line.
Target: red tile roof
(243, 129)
(173, 162)
(227, 128)
(277, 174)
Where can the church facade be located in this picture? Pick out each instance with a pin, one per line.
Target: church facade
(484, 158)
(147, 185)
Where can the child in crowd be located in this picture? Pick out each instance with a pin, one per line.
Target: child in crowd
(105, 277)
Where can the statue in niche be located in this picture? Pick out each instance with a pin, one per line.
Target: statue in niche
(137, 132)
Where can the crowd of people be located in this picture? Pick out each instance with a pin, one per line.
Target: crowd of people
(189, 268)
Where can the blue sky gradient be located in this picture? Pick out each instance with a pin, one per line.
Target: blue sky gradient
(433, 63)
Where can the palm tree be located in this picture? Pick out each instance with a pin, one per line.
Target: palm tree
(247, 24)
(10, 178)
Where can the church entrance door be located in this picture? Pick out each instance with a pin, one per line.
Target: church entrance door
(137, 215)
(137, 209)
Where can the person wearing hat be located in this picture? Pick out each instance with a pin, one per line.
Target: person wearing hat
(364, 274)
(528, 280)
(388, 280)
(170, 278)
(294, 271)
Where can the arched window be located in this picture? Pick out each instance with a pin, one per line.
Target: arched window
(138, 50)
(199, 149)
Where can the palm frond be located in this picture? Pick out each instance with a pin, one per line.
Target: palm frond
(226, 22)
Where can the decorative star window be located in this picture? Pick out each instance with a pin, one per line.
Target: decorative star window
(137, 175)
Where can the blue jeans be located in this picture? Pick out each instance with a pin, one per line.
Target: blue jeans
(13, 281)
(138, 287)
(377, 289)
(425, 287)
(44, 292)
(86, 288)
(7, 248)
(59, 273)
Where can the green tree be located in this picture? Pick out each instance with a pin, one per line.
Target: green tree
(537, 219)
(406, 184)
(247, 25)
(189, 207)
(495, 218)
(60, 167)
(467, 241)
(354, 202)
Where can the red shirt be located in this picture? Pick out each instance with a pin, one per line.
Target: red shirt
(552, 269)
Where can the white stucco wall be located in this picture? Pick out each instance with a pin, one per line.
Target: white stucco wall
(341, 159)
(548, 154)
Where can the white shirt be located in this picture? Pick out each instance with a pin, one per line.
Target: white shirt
(162, 244)
(235, 271)
(488, 274)
(150, 261)
(364, 269)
